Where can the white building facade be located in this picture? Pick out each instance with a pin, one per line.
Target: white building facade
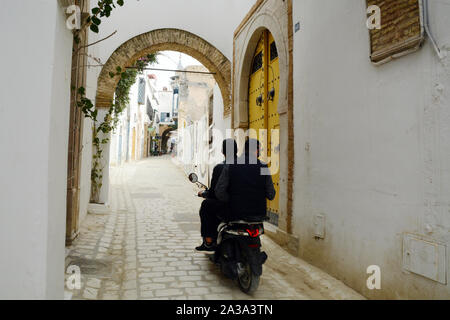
(372, 152)
(130, 139)
(34, 175)
(364, 144)
(195, 121)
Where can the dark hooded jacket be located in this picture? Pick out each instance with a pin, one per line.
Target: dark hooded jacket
(246, 188)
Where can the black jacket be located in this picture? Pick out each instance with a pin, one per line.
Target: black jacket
(246, 189)
(210, 194)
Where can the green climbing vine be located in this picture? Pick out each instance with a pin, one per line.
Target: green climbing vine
(127, 78)
(111, 118)
(103, 9)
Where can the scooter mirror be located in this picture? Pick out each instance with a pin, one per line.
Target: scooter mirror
(193, 178)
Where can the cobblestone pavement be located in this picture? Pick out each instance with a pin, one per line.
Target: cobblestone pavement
(142, 247)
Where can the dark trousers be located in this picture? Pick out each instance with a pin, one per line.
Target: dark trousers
(211, 213)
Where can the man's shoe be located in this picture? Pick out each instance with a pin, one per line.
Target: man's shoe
(206, 247)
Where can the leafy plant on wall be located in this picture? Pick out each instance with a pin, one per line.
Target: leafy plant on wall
(127, 78)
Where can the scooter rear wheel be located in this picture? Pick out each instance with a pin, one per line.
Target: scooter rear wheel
(247, 280)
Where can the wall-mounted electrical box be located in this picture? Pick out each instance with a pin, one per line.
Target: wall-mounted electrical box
(425, 257)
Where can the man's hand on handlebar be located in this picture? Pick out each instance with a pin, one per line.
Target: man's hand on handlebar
(202, 193)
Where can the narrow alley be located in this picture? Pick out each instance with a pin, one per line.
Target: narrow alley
(143, 247)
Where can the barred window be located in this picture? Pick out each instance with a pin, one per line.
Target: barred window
(257, 62)
(273, 51)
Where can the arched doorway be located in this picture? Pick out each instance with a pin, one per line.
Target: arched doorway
(165, 137)
(247, 40)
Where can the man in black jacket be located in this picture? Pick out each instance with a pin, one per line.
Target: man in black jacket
(211, 208)
(246, 185)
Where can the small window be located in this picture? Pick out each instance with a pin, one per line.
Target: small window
(257, 62)
(273, 51)
(149, 110)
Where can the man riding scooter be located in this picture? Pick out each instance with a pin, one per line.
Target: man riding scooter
(211, 208)
(241, 190)
(245, 186)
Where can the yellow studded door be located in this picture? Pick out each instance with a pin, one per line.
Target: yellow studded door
(273, 124)
(256, 91)
(263, 110)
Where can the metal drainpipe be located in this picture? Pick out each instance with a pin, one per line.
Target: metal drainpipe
(440, 53)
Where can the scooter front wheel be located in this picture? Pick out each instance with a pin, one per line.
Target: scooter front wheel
(247, 280)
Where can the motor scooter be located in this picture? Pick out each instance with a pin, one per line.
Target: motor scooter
(238, 251)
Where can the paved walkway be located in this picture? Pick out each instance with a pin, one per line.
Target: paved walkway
(142, 247)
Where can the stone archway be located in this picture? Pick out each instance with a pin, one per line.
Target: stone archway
(243, 60)
(165, 137)
(159, 40)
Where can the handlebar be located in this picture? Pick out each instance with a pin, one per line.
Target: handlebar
(202, 185)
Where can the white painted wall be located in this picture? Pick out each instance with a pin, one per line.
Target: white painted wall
(193, 126)
(165, 99)
(379, 146)
(221, 123)
(193, 149)
(195, 16)
(34, 126)
(86, 165)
